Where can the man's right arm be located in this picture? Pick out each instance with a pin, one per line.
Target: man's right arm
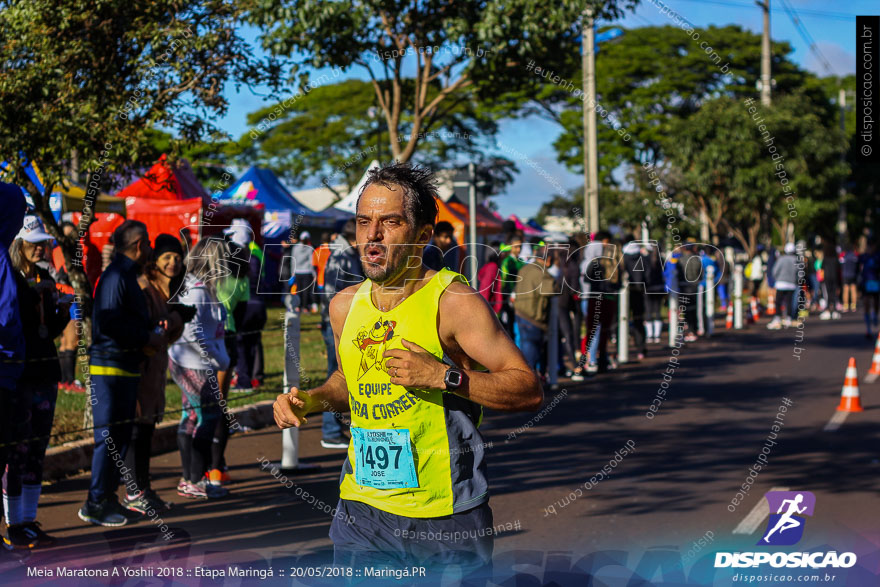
(291, 408)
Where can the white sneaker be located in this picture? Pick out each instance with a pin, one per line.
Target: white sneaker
(786, 322)
(826, 315)
(835, 315)
(774, 324)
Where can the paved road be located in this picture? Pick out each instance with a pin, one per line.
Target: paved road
(674, 488)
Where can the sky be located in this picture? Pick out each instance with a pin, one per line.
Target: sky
(528, 142)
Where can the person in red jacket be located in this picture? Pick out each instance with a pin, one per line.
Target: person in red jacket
(489, 280)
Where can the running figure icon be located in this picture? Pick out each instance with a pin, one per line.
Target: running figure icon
(787, 521)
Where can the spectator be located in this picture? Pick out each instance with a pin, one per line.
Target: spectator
(303, 271)
(569, 309)
(510, 264)
(43, 319)
(655, 290)
(590, 342)
(234, 292)
(690, 272)
(442, 251)
(754, 272)
(489, 280)
(319, 262)
(869, 271)
(69, 339)
(722, 277)
(121, 335)
(12, 343)
(785, 275)
(532, 305)
(604, 280)
(850, 266)
(249, 335)
(195, 361)
(343, 269)
(831, 273)
(635, 260)
(161, 279)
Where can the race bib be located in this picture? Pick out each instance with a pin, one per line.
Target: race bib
(384, 458)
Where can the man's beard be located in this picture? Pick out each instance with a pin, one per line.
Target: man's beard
(391, 264)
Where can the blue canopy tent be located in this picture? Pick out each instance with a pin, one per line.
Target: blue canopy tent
(258, 186)
(34, 176)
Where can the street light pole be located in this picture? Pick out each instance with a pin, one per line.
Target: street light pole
(591, 160)
(765, 54)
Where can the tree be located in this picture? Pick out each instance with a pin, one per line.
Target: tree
(84, 84)
(455, 51)
(326, 132)
(751, 179)
(650, 77)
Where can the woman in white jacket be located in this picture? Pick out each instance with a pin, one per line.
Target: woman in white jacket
(195, 361)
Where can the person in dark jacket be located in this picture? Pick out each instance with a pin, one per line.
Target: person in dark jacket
(831, 271)
(43, 318)
(690, 271)
(655, 292)
(12, 345)
(122, 334)
(342, 270)
(635, 260)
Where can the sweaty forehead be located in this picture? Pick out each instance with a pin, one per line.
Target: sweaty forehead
(378, 199)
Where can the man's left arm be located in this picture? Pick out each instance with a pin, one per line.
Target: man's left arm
(467, 322)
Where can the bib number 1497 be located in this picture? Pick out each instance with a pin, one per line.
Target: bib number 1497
(384, 458)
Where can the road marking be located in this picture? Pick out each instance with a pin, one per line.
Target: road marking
(836, 420)
(756, 517)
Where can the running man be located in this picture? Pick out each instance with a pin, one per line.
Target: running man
(786, 522)
(412, 345)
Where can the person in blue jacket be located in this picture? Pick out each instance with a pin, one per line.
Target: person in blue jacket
(122, 334)
(12, 351)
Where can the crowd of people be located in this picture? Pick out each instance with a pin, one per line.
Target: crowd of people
(827, 279)
(163, 306)
(156, 308)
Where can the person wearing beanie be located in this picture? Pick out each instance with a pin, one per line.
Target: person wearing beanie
(160, 281)
(785, 274)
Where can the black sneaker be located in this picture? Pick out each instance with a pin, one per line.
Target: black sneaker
(105, 513)
(35, 529)
(19, 538)
(340, 442)
(145, 501)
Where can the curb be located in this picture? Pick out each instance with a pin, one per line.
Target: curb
(69, 459)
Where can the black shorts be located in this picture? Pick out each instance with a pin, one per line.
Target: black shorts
(364, 536)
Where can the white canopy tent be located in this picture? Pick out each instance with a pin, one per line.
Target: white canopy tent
(349, 202)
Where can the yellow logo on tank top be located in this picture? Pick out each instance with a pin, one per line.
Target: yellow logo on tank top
(372, 341)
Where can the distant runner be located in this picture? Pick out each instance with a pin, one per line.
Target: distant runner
(410, 341)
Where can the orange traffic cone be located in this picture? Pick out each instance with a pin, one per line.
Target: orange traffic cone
(729, 323)
(874, 372)
(849, 395)
(753, 306)
(771, 304)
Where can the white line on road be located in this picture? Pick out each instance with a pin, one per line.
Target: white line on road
(836, 420)
(756, 517)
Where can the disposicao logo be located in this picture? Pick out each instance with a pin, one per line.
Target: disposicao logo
(785, 528)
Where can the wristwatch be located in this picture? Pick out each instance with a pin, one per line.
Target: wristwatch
(453, 379)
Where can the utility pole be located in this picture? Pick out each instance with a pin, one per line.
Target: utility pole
(591, 160)
(765, 54)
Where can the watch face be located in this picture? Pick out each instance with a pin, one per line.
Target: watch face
(453, 378)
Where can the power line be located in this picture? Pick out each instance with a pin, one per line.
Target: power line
(806, 12)
(806, 36)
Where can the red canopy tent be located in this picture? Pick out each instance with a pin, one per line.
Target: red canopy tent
(486, 222)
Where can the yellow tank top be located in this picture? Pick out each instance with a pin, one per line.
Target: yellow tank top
(414, 452)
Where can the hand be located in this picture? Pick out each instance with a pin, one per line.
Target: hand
(291, 408)
(415, 367)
